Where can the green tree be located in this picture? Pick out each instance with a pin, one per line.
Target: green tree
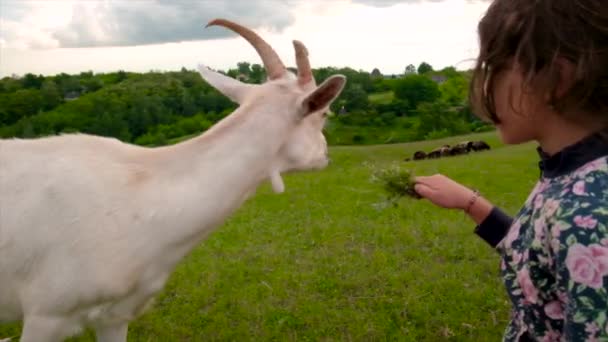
(439, 119)
(450, 72)
(410, 69)
(244, 68)
(111, 125)
(424, 68)
(9, 85)
(257, 74)
(91, 84)
(362, 78)
(51, 97)
(68, 84)
(233, 73)
(416, 89)
(322, 74)
(32, 81)
(28, 130)
(355, 98)
(376, 73)
(20, 104)
(455, 90)
(121, 76)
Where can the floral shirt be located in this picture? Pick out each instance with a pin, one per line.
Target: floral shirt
(555, 251)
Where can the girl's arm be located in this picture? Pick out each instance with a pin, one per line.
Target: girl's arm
(492, 223)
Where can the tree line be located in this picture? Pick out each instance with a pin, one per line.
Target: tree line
(157, 108)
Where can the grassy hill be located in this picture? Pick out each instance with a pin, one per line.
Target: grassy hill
(326, 261)
(381, 98)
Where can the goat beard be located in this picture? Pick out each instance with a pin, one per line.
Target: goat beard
(277, 181)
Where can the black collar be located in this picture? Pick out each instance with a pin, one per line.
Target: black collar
(574, 156)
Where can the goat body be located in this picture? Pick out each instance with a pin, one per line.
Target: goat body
(91, 228)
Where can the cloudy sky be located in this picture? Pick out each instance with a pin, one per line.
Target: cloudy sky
(52, 36)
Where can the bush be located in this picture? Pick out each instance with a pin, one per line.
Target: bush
(358, 139)
(443, 133)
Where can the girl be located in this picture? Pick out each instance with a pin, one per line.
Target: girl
(542, 75)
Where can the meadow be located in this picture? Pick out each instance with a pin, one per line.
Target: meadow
(328, 260)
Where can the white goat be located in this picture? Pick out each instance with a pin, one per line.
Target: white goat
(91, 228)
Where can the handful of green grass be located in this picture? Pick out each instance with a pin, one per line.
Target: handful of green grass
(396, 182)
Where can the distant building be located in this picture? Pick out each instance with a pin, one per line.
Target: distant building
(439, 78)
(391, 76)
(72, 95)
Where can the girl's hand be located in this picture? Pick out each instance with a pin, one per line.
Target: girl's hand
(444, 192)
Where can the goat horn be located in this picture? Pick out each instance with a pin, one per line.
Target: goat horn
(273, 64)
(304, 71)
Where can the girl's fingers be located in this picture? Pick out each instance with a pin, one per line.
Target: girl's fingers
(423, 190)
(420, 179)
(423, 180)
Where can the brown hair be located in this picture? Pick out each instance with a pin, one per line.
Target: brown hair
(534, 34)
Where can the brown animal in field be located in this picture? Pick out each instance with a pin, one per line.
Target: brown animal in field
(445, 150)
(458, 150)
(466, 145)
(418, 155)
(439, 152)
(433, 154)
(479, 145)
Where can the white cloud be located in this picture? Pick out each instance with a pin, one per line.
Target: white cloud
(337, 33)
(126, 23)
(388, 3)
(92, 23)
(29, 24)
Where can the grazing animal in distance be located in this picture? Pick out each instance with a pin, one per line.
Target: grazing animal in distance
(458, 150)
(419, 155)
(439, 152)
(479, 145)
(466, 145)
(445, 150)
(436, 153)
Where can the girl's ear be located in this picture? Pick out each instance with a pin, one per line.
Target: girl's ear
(567, 76)
(233, 89)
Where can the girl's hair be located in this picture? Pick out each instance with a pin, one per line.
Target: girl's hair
(534, 34)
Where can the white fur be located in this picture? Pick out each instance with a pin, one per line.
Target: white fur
(90, 227)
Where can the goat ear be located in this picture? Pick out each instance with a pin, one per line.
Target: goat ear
(324, 95)
(233, 89)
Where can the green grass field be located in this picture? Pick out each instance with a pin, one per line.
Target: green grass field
(381, 98)
(325, 262)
